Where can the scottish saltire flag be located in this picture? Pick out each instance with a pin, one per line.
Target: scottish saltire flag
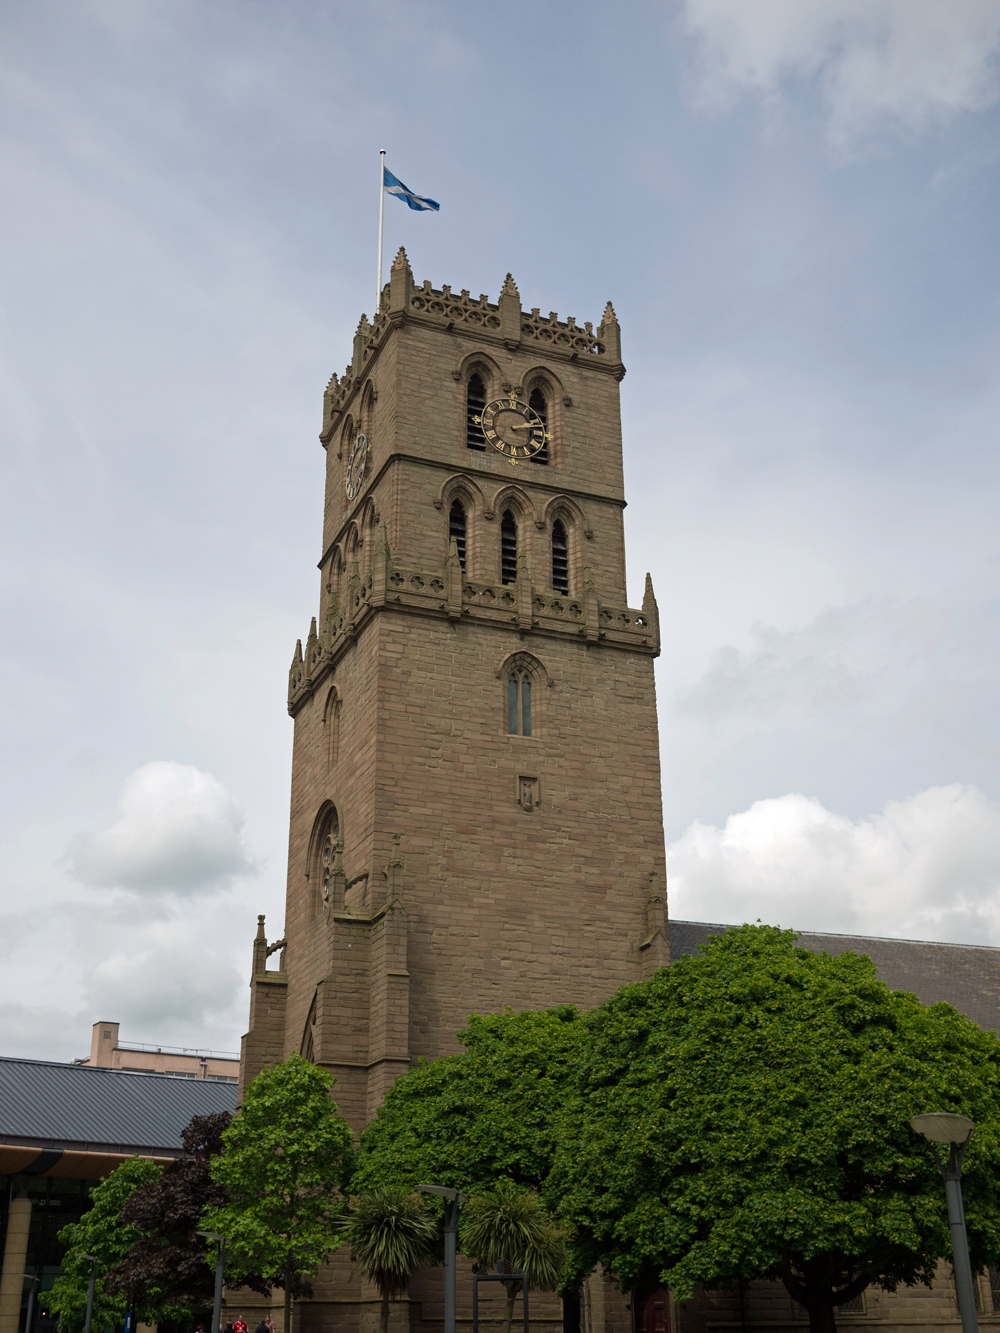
(415, 201)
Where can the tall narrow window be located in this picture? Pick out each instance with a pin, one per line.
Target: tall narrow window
(560, 557)
(508, 548)
(538, 404)
(519, 703)
(475, 401)
(331, 726)
(456, 528)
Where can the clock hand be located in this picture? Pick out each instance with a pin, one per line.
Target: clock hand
(526, 427)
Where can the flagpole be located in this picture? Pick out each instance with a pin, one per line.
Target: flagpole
(381, 206)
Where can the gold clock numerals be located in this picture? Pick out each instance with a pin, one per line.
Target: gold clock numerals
(512, 429)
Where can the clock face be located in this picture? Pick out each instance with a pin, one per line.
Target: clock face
(513, 429)
(356, 465)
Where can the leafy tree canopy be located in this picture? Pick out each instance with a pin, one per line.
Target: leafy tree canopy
(496, 1110)
(102, 1233)
(745, 1113)
(288, 1152)
(166, 1213)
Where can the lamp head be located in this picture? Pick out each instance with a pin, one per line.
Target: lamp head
(443, 1192)
(943, 1126)
(210, 1235)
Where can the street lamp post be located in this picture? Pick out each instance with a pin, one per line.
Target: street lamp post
(219, 1267)
(31, 1300)
(454, 1202)
(954, 1132)
(90, 1292)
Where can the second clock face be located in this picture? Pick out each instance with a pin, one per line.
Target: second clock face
(512, 429)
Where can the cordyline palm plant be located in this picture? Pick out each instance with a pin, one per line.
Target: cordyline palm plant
(509, 1227)
(390, 1235)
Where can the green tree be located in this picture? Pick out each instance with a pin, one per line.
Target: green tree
(745, 1114)
(102, 1233)
(509, 1227)
(493, 1111)
(390, 1234)
(288, 1153)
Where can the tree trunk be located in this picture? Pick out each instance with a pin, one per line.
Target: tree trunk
(288, 1296)
(512, 1288)
(385, 1312)
(822, 1318)
(813, 1286)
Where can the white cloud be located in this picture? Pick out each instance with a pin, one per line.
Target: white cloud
(867, 658)
(927, 867)
(906, 63)
(171, 971)
(177, 829)
(170, 978)
(39, 1031)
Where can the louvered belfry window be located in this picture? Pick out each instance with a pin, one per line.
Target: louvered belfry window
(457, 528)
(537, 403)
(475, 401)
(508, 547)
(560, 557)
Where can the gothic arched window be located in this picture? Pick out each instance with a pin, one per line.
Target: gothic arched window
(323, 850)
(475, 401)
(457, 528)
(519, 703)
(560, 557)
(508, 548)
(308, 1047)
(537, 402)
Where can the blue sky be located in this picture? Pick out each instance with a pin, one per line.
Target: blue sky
(792, 205)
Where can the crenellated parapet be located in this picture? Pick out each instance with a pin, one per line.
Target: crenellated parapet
(502, 322)
(446, 594)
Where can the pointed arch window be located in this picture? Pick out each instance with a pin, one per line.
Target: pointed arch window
(331, 728)
(508, 547)
(325, 841)
(539, 403)
(457, 528)
(519, 703)
(308, 1048)
(560, 557)
(475, 401)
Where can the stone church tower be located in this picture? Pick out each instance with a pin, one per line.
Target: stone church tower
(475, 812)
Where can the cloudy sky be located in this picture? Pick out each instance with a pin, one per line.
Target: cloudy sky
(793, 206)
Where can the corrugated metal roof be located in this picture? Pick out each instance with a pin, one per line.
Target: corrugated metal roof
(78, 1106)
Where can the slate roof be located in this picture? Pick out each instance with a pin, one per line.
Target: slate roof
(965, 975)
(102, 1110)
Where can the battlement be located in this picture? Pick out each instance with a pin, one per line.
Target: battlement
(502, 321)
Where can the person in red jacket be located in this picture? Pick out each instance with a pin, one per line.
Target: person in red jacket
(240, 1325)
